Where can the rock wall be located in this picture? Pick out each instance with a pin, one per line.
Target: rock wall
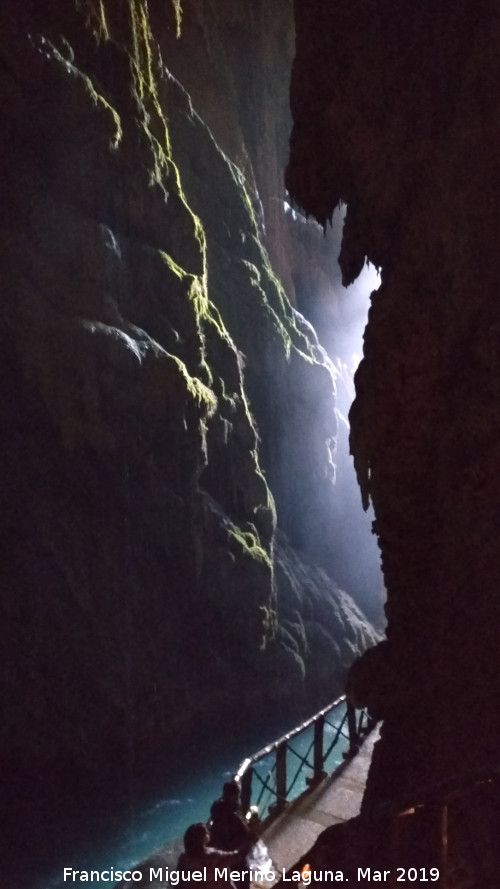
(395, 116)
(240, 87)
(163, 408)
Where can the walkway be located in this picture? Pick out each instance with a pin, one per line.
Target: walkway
(335, 799)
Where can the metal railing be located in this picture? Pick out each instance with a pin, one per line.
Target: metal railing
(283, 770)
(446, 834)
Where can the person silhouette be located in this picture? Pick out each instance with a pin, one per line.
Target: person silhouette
(198, 855)
(228, 828)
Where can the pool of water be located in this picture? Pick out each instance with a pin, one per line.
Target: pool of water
(186, 797)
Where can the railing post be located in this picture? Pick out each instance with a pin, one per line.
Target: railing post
(352, 729)
(361, 723)
(246, 789)
(393, 848)
(442, 844)
(281, 776)
(319, 772)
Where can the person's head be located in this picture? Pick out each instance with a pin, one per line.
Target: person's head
(195, 839)
(231, 793)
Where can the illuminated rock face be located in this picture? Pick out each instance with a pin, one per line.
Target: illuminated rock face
(160, 404)
(395, 114)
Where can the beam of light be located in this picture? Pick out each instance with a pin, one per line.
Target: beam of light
(358, 557)
(349, 340)
(339, 316)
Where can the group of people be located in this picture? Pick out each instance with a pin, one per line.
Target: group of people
(225, 842)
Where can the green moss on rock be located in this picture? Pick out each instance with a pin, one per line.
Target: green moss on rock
(248, 541)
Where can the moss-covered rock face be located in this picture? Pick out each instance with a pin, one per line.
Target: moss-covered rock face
(161, 410)
(134, 386)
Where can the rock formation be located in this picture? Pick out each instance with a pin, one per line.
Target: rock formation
(395, 116)
(164, 408)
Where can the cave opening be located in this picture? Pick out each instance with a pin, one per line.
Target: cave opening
(339, 316)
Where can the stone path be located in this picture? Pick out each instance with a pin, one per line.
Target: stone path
(336, 799)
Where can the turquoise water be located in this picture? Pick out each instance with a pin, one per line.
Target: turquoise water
(187, 798)
(159, 821)
(298, 748)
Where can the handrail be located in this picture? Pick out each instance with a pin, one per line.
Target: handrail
(277, 781)
(452, 853)
(287, 737)
(441, 792)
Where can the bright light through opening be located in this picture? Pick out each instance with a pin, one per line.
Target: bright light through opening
(339, 316)
(358, 558)
(349, 340)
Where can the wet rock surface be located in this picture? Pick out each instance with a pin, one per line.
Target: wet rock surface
(162, 412)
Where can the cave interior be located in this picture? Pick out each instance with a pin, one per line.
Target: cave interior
(182, 542)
